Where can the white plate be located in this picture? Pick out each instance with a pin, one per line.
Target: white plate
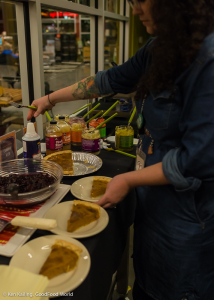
(82, 189)
(62, 212)
(24, 234)
(112, 140)
(33, 254)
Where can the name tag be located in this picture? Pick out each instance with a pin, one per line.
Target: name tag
(140, 157)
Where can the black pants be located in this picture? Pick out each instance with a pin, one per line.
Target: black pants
(139, 294)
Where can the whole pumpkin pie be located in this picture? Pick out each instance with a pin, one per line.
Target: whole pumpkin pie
(99, 186)
(63, 258)
(82, 214)
(64, 159)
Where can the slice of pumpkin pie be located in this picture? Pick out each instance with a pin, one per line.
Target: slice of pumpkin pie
(64, 159)
(99, 186)
(63, 258)
(82, 214)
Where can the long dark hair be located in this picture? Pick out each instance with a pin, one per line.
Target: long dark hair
(180, 28)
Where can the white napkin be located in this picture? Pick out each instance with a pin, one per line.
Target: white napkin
(20, 284)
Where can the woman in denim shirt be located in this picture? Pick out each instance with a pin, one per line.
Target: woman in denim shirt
(174, 223)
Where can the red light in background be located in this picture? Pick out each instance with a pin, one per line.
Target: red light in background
(63, 14)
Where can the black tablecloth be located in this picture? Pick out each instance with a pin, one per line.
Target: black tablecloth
(105, 248)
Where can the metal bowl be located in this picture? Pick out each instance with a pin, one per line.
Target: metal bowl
(30, 166)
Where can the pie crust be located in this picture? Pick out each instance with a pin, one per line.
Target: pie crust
(64, 159)
(99, 186)
(63, 258)
(68, 245)
(82, 214)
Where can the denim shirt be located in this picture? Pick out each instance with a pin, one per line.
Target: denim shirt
(174, 224)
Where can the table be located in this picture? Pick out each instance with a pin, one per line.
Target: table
(107, 247)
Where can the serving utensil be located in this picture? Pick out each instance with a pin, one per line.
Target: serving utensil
(132, 116)
(118, 151)
(100, 112)
(28, 106)
(91, 110)
(110, 108)
(81, 108)
(13, 189)
(94, 117)
(106, 121)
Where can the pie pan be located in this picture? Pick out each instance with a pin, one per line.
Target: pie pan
(30, 166)
(85, 163)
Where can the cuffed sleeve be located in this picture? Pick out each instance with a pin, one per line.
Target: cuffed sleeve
(173, 174)
(193, 162)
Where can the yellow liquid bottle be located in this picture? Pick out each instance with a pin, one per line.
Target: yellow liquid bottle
(66, 132)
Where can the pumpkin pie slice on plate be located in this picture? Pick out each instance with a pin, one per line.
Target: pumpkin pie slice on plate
(99, 186)
(63, 258)
(82, 214)
(64, 159)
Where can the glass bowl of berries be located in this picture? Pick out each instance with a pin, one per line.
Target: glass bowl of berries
(28, 181)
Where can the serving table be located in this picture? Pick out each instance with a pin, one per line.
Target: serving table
(107, 247)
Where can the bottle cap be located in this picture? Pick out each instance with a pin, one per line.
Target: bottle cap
(30, 128)
(53, 122)
(61, 118)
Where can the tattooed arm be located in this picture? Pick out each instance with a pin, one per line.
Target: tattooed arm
(84, 89)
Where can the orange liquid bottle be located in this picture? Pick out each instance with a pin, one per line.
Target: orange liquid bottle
(66, 133)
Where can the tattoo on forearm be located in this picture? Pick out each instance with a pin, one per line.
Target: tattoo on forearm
(86, 88)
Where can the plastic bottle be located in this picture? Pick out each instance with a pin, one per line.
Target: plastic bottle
(67, 118)
(53, 138)
(31, 143)
(66, 132)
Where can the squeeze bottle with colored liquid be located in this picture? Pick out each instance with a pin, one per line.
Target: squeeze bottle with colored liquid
(66, 133)
(31, 143)
(53, 138)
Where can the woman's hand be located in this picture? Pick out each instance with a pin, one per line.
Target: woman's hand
(42, 105)
(122, 184)
(116, 191)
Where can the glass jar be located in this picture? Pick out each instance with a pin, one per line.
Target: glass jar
(95, 122)
(77, 125)
(91, 141)
(124, 137)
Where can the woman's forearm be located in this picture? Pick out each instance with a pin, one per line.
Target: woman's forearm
(152, 175)
(122, 184)
(84, 89)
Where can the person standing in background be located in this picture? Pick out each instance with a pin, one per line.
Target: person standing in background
(7, 57)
